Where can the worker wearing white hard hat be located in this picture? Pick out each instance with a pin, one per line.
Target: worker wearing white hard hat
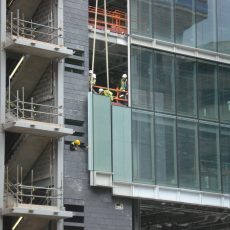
(101, 91)
(124, 76)
(92, 80)
(123, 87)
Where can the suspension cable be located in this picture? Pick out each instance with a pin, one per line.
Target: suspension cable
(106, 45)
(94, 36)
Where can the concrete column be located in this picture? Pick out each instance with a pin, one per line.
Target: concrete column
(2, 100)
(60, 102)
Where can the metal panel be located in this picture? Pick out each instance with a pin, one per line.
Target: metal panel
(90, 131)
(102, 133)
(122, 153)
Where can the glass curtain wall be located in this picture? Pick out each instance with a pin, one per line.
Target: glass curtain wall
(184, 22)
(164, 83)
(180, 121)
(207, 90)
(187, 149)
(143, 146)
(225, 158)
(163, 27)
(209, 158)
(206, 24)
(224, 93)
(142, 78)
(165, 147)
(186, 86)
(193, 23)
(223, 19)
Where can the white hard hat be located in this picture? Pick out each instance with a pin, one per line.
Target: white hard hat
(90, 71)
(100, 90)
(124, 76)
(94, 75)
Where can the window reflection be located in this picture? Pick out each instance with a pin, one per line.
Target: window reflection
(209, 158)
(186, 86)
(225, 158)
(164, 83)
(142, 80)
(188, 154)
(206, 24)
(185, 22)
(224, 93)
(195, 23)
(141, 17)
(142, 139)
(165, 147)
(223, 19)
(207, 90)
(163, 20)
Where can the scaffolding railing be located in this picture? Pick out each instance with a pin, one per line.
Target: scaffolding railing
(116, 20)
(19, 193)
(119, 96)
(28, 29)
(20, 109)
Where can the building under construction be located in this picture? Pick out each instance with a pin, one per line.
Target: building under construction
(152, 155)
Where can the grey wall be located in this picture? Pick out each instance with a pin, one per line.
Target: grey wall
(99, 206)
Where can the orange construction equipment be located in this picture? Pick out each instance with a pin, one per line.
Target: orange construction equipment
(116, 20)
(116, 92)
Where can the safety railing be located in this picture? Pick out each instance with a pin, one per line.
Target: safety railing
(18, 193)
(28, 29)
(20, 109)
(119, 96)
(116, 20)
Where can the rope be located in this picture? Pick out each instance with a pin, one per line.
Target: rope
(106, 45)
(94, 37)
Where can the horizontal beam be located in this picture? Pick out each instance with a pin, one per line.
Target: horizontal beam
(179, 49)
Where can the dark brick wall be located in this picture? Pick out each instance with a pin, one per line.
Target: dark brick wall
(99, 204)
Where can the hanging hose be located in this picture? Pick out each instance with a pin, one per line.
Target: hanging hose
(106, 45)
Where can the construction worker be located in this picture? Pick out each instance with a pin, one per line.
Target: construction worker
(106, 93)
(92, 80)
(101, 91)
(109, 94)
(74, 145)
(124, 82)
(123, 87)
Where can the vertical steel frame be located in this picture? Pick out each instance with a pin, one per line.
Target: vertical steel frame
(129, 52)
(2, 100)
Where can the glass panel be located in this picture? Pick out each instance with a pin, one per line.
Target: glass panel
(207, 90)
(185, 22)
(224, 93)
(143, 147)
(209, 158)
(102, 155)
(163, 26)
(187, 148)
(165, 147)
(186, 86)
(223, 19)
(142, 79)
(121, 144)
(225, 158)
(141, 17)
(164, 83)
(206, 24)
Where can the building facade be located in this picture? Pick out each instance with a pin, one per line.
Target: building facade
(158, 159)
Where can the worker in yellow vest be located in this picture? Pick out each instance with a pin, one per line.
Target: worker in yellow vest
(106, 93)
(74, 145)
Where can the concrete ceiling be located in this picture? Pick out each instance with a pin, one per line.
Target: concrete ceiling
(170, 216)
